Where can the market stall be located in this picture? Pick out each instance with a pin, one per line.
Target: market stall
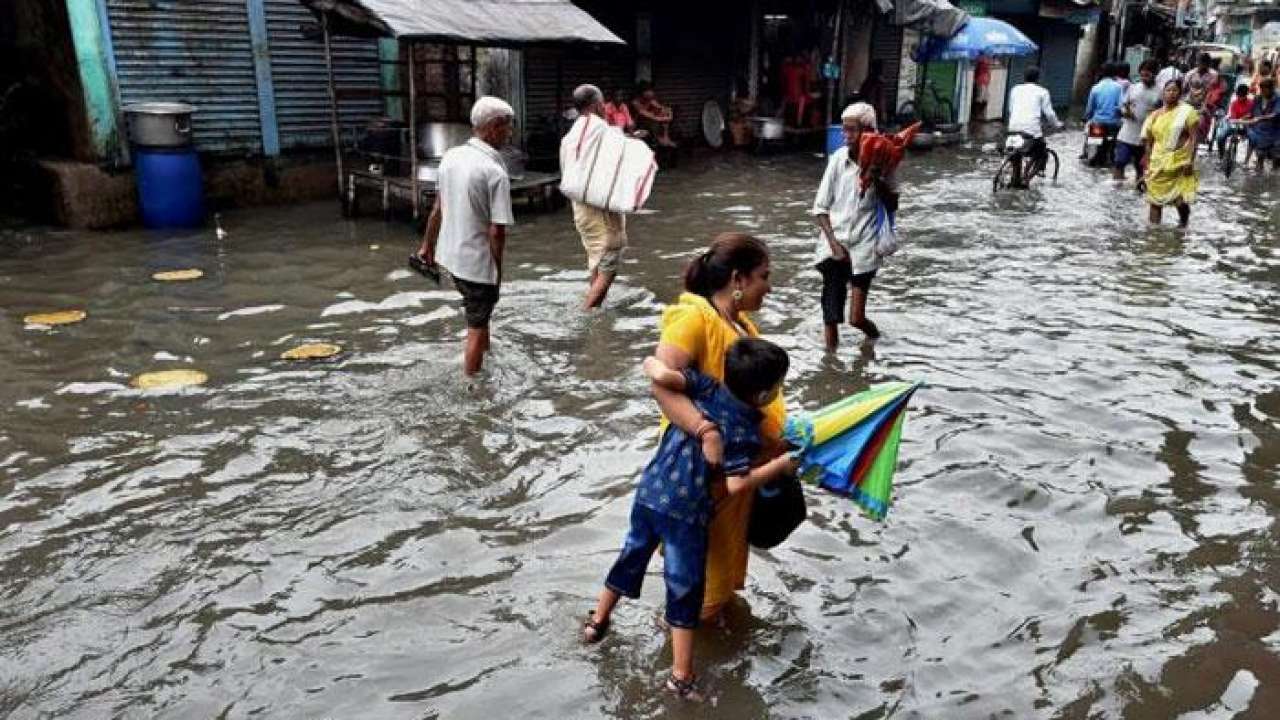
(444, 35)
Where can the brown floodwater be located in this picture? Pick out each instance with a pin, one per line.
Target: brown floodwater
(1086, 504)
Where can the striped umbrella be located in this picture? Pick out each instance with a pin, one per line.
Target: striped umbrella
(851, 447)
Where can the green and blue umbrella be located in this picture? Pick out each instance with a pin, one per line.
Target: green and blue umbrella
(851, 447)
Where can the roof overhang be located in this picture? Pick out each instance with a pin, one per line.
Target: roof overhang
(494, 23)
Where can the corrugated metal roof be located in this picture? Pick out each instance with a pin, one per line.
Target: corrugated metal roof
(473, 22)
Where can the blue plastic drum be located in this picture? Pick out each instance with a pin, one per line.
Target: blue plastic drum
(170, 189)
(835, 138)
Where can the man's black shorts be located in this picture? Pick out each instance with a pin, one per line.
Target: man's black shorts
(837, 276)
(1036, 148)
(478, 300)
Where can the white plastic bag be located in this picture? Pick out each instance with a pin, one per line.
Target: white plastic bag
(603, 168)
(886, 234)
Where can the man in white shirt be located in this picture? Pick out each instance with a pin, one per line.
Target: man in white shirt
(846, 216)
(469, 221)
(1030, 108)
(1139, 100)
(603, 233)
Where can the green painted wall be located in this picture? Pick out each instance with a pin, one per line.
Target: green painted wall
(100, 97)
(389, 52)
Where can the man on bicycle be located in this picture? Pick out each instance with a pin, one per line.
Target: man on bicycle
(1030, 106)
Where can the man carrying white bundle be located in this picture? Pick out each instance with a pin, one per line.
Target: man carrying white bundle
(470, 219)
(604, 233)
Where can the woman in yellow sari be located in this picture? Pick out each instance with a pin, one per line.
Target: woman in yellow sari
(1169, 134)
(722, 285)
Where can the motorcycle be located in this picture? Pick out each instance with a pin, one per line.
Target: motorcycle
(1099, 145)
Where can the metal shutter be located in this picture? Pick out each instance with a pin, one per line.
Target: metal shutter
(886, 46)
(193, 51)
(604, 68)
(688, 73)
(1058, 46)
(301, 82)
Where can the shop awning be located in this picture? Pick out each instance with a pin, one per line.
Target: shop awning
(500, 23)
(938, 18)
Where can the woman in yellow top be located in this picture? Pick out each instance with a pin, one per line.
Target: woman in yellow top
(1169, 134)
(721, 285)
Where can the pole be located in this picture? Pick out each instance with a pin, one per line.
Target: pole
(333, 101)
(836, 34)
(753, 65)
(410, 46)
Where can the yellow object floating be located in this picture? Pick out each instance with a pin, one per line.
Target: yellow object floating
(176, 275)
(311, 351)
(168, 379)
(373, 247)
(61, 317)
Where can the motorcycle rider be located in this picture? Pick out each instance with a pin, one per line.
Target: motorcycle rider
(1030, 108)
(1103, 109)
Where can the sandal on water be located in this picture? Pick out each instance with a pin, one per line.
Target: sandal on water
(592, 631)
(430, 272)
(687, 690)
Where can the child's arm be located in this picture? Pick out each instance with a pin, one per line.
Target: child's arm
(663, 376)
(778, 467)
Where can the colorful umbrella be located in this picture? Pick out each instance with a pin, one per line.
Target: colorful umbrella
(851, 447)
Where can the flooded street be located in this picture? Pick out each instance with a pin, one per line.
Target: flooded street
(1086, 513)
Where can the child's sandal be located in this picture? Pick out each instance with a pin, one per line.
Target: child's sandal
(687, 690)
(592, 631)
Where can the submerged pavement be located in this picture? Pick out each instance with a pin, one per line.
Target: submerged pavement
(1086, 505)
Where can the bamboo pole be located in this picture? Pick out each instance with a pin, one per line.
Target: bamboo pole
(837, 44)
(333, 103)
(413, 131)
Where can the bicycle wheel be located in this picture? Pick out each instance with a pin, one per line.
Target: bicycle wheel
(1229, 157)
(1053, 156)
(1004, 174)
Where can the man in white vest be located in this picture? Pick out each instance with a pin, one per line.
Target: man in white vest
(604, 233)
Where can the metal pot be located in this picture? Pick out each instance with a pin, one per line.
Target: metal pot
(159, 124)
(434, 138)
(767, 128)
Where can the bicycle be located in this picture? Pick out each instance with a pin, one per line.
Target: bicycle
(1010, 173)
(929, 107)
(1230, 148)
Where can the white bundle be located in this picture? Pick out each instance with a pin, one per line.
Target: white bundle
(602, 167)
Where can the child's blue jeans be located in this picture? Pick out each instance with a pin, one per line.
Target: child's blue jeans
(685, 562)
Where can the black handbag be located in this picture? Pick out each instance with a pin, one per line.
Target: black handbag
(777, 510)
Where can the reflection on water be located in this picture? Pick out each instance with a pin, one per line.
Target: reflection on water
(1086, 507)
